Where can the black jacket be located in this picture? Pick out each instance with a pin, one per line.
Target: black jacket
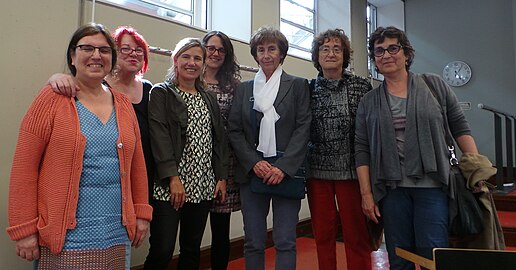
(168, 119)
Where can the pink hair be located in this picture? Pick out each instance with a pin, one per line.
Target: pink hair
(138, 38)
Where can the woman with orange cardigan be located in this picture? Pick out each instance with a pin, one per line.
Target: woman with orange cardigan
(78, 188)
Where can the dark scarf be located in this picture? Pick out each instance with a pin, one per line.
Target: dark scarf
(424, 135)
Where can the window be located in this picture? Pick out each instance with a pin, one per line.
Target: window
(371, 27)
(192, 12)
(297, 23)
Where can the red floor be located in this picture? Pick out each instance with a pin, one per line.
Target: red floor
(307, 257)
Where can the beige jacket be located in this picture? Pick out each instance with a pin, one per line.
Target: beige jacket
(476, 169)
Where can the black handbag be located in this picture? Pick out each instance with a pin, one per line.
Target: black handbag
(468, 219)
(289, 187)
(375, 231)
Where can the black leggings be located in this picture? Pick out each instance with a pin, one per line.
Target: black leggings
(219, 240)
(163, 233)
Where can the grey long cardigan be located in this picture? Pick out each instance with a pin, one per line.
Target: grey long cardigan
(367, 135)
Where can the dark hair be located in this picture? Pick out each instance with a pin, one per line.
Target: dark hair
(267, 34)
(381, 33)
(89, 29)
(229, 73)
(326, 36)
(182, 46)
(138, 38)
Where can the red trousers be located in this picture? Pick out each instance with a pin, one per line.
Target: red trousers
(322, 195)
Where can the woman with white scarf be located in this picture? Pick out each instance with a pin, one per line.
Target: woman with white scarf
(270, 118)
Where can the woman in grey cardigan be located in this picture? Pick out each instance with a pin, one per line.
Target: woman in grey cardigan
(401, 152)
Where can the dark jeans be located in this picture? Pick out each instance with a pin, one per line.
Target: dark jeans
(219, 240)
(415, 219)
(192, 218)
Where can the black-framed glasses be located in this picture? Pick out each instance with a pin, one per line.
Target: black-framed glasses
(91, 49)
(213, 49)
(128, 50)
(326, 50)
(392, 49)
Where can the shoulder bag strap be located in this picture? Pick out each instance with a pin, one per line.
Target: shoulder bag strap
(449, 138)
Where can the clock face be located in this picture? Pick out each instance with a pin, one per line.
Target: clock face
(457, 73)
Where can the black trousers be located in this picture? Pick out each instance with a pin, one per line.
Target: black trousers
(219, 240)
(192, 219)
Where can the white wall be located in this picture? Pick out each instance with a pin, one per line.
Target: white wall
(391, 14)
(233, 17)
(337, 14)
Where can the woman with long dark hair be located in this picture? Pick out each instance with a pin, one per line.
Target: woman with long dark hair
(222, 75)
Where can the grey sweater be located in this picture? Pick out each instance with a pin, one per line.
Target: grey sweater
(370, 141)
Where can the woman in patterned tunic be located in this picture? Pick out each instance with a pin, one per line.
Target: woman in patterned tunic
(77, 195)
(332, 181)
(222, 76)
(190, 151)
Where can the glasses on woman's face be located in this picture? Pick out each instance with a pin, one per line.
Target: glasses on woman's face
(392, 49)
(128, 50)
(325, 50)
(213, 49)
(90, 49)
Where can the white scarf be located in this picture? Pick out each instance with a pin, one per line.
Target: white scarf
(264, 93)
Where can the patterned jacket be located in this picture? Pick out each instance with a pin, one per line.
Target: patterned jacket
(334, 104)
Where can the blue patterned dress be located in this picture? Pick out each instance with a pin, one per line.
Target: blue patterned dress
(99, 239)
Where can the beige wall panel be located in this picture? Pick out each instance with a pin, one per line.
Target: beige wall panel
(34, 38)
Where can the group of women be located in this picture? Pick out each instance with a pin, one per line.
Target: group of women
(200, 138)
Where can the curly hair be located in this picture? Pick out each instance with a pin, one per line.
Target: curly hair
(379, 35)
(326, 36)
(229, 73)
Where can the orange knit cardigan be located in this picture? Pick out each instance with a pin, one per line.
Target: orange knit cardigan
(47, 165)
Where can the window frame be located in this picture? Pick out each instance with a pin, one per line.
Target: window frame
(301, 27)
(372, 24)
(198, 18)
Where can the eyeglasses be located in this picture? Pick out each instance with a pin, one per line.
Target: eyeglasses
(326, 50)
(128, 50)
(213, 49)
(392, 49)
(91, 49)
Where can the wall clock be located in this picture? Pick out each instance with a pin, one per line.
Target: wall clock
(457, 73)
